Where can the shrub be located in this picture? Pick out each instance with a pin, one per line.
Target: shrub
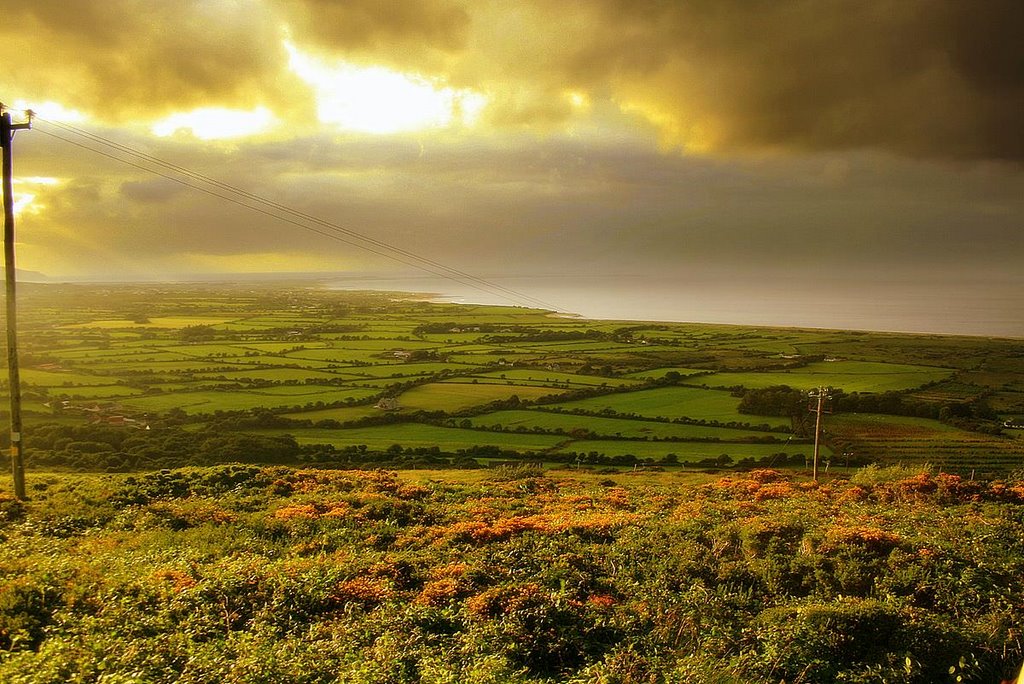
(852, 640)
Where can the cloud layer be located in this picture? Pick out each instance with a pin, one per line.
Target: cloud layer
(931, 78)
(797, 137)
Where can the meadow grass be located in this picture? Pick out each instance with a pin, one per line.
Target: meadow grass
(851, 376)
(417, 435)
(673, 402)
(276, 374)
(455, 396)
(609, 427)
(165, 322)
(658, 373)
(59, 379)
(530, 375)
(226, 400)
(687, 451)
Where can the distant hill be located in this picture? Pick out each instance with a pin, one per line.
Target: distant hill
(27, 276)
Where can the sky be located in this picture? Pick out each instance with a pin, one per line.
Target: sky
(735, 146)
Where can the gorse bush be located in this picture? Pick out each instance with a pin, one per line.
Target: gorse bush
(250, 574)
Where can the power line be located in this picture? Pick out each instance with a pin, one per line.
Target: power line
(389, 251)
(230, 199)
(449, 274)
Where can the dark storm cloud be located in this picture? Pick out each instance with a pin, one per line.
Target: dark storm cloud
(930, 78)
(382, 25)
(123, 58)
(942, 78)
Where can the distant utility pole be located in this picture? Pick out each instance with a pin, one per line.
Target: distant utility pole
(7, 130)
(822, 396)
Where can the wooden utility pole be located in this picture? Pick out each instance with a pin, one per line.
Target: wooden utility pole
(822, 396)
(7, 129)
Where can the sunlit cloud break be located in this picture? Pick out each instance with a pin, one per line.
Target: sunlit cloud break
(25, 193)
(379, 100)
(52, 111)
(212, 123)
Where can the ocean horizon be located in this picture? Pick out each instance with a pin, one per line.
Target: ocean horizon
(927, 307)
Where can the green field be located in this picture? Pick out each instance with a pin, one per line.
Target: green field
(413, 435)
(672, 402)
(687, 451)
(343, 414)
(657, 373)
(852, 376)
(456, 396)
(918, 441)
(166, 322)
(610, 427)
(276, 374)
(95, 391)
(547, 377)
(60, 378)
(208, 402)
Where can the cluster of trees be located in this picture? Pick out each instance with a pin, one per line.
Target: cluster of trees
(452, 326)
(535, 335)
(91, 447)
(779, 400)
(611, 413)
(782, 400)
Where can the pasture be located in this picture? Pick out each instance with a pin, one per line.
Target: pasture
(169, 355)
(851, 376)
(671, 402)
(455, 396)
(688, 451)
(413, 435)
(609, 427)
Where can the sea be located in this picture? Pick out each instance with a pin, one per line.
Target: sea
(989, 308)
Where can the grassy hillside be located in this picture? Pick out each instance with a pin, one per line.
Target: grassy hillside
(248, 574)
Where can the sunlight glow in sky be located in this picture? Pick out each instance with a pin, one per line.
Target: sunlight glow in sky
(212, 123)
(379, 100)
(54, 111)
(24, 197)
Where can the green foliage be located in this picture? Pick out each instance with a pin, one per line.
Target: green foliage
(516, 471)
(242, 573)
(852, 640)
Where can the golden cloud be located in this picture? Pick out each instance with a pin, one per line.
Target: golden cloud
(929, 78)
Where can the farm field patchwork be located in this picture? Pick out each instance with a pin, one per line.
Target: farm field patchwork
(303, 352)
(901, 439)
